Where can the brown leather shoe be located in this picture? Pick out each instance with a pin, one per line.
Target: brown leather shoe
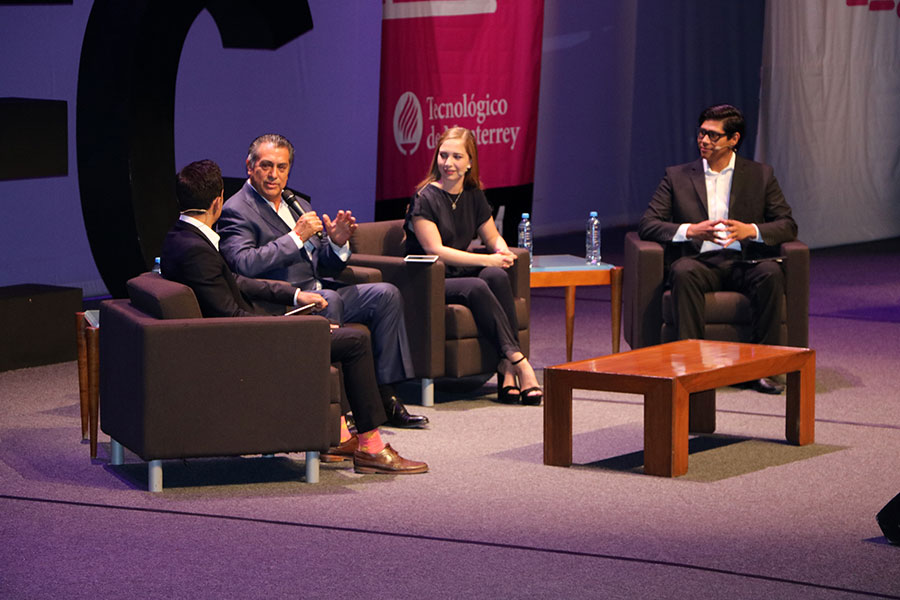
(386, 462)
(343, 451)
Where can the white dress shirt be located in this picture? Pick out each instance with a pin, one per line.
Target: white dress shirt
(718, 196)
(211, 235)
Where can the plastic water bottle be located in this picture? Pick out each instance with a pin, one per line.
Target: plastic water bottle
(592, 239)
(156, 268)
(525, 240)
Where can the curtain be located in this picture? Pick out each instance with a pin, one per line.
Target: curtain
(829, 118)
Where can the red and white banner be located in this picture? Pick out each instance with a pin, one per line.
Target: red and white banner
(473, 63)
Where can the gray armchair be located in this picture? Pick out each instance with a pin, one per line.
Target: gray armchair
(444, 339)
(175, 385)
(648, 312)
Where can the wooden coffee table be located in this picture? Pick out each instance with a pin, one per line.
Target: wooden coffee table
(678, 381)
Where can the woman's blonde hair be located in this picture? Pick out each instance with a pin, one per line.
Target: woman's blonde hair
(472, 179)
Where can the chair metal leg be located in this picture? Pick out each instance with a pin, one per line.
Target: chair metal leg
(312, 467)
(154, 476)
(427, 391)
(116, 453)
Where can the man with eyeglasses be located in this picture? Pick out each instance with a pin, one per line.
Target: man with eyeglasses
(717, 216)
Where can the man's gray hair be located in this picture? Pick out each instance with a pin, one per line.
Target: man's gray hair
(277, 140)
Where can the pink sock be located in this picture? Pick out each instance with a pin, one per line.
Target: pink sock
(345, 431)
(370, 442)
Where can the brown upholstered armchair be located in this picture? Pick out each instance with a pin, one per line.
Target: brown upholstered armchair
(175, 385)
(648, 312)
(443, 338)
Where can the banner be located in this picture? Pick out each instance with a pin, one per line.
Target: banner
(472, 63)
(828, 118)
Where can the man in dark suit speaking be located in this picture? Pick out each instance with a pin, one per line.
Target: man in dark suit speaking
(714, 215)
(264, 235)
(190, 256)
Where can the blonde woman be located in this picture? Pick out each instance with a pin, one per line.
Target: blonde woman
(448, 209)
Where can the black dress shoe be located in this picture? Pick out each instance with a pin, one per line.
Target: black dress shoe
(351, 422)
(398, 417)
(763, 386)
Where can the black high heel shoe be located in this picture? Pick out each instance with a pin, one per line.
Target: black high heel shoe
(528, 397)
(506, 393)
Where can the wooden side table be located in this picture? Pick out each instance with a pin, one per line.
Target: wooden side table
(568, 271)
(678, 381)
(87, 331)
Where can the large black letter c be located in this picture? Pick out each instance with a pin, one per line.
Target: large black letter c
(125, 115)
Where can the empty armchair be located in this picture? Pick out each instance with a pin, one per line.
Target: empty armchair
(176, 385)
(443, 338)
(648, 311)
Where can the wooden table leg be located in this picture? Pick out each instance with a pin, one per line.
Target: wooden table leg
(570, 320)
(93, 360)
(615, 296)
(800, 413)
(666, 430)
(702, 418)
(557, 420)
(81, 344)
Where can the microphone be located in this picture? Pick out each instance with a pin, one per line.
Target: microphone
(289, 197)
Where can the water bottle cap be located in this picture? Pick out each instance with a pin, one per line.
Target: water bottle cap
(593, 213)
(525, 215)
(156, 260)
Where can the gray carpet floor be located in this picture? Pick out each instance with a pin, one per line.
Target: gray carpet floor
(753, 518)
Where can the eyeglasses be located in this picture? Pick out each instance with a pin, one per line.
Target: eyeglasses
(714, 136)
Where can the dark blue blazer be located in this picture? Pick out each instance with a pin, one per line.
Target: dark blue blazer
(255, 242)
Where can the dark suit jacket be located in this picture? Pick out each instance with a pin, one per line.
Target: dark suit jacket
(756, 198)
(188, 257)
(255, 243)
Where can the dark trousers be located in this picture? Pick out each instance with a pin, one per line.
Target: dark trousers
(692, 277)
(352, 347)
(489, 296)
